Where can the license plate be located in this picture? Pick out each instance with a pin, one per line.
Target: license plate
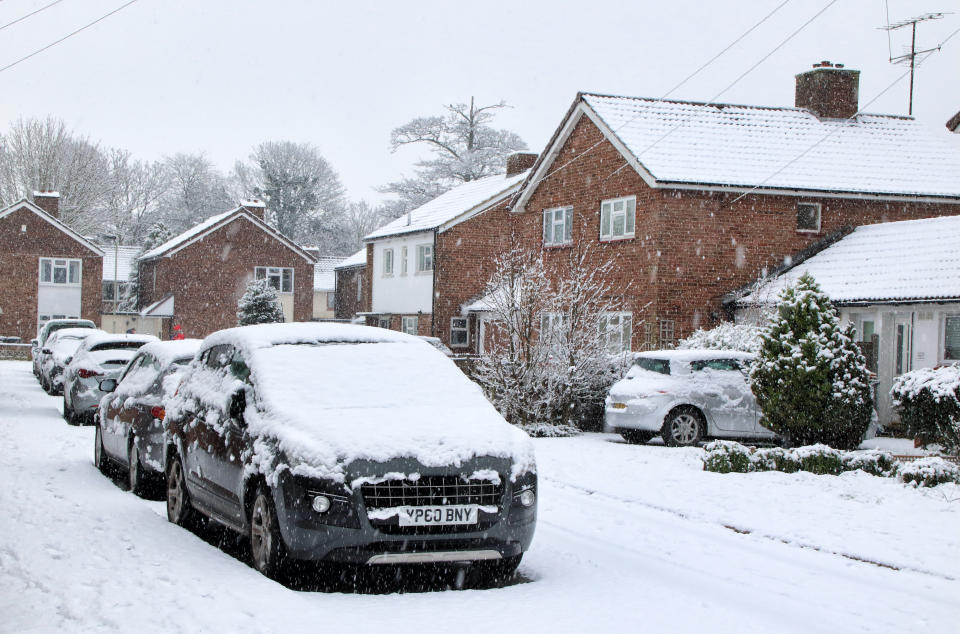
(439, 515)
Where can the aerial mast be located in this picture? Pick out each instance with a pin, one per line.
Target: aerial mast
(911, 57)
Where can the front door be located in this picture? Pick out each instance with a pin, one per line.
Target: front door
(903, 333)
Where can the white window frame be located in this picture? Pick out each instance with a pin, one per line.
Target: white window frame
(944, 337)
(383, 322)
(614, 209)
(424, 258)
(549, 322)
(460, 326)
(819, 217)
(403, 260)
(388, 262)
(331, 300)
(410, 325)
(269, 272)
(668, 332)
(616, 331)
(554, 219)
(65, 264)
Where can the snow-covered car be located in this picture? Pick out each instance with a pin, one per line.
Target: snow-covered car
(57, 353)
(48, 329)
(100, 357)
(129, 430)
(351, 444)
(685, 396)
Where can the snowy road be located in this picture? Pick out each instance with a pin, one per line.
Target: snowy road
(629, 539)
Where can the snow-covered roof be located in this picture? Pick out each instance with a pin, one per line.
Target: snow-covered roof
(459, 201)
(894, 261)
(166, 352)
(324, 278)
(357, 259)
(690, 144)
(161, 308)
(120, 257)
(213, 223)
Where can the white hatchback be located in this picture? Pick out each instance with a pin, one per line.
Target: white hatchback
(685, 396)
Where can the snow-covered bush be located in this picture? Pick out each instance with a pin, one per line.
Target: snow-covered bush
(811, 380)
(549, 430)
(819, 459)
(929, 404)
(874, 462)
(775, 459)
(725, 456)
(260, 304)
(929, 472)
(726, 336)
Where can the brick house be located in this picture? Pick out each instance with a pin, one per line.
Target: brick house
(196, 278)
(418, 270)
(324, 286)
(49, 270)
(692, 201)
(351, 291)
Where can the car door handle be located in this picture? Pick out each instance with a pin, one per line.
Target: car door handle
(713, 394)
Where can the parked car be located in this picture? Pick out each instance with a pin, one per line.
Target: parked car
(685, 396)
(343, 443)
(57, 353)
(129, 430)
(100, 357)
(49, 328)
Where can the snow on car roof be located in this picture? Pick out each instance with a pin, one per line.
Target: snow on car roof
(249, 338)
(694, 354)
(106, 337)
(75, 333)
(166, 352)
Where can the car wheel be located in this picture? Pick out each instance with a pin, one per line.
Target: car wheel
(179, 509)
(99, 457)
(635, 437)
(136, 478)
(683, 427)
(494, 573)
(266, 543)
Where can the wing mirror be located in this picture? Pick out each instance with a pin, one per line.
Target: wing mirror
(238, 404)
(46, 351)
(34, 342)
(108, 385)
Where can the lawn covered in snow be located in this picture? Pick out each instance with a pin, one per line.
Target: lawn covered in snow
(630, 538)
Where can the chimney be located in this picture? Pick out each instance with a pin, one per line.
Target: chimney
(520, 162)
(829, 91)
(257, 207)
(48, 201)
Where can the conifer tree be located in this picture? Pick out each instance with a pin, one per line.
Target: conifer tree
(260, 304)
(811, 380)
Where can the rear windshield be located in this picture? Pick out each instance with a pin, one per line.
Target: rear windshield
(117, 345)
(660, 366)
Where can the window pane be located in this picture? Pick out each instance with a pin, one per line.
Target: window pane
(951, 342)
(568, 224)
(618, 224)
(261, 273)
(331, 301)
(631, 215)
(46, 267)
(547, 226)
(74, 272)
(626, 327)
(808, 216)
(618, 205)
(287, 280)
(59, 275)
(604, 220)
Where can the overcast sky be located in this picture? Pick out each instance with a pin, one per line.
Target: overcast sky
(220, 76)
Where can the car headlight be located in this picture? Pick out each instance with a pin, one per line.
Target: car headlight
(527, 498)
(321, 503)
(525, 490)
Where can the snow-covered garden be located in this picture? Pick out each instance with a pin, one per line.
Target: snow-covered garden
(628, 538)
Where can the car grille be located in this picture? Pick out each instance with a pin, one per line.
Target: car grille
(432, 491)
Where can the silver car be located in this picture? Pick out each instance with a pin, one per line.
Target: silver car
(57, 353)
(102, 356)
(685, 396)
(48, 329)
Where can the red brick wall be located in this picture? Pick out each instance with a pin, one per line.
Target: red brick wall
(20, 254)
(208, 277)
(347, 303)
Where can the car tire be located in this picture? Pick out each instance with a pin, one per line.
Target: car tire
(683, 427)
(99, 457)
(179, 509)
(637, 437)
(486, 574)
(137, 480)
(266, 544)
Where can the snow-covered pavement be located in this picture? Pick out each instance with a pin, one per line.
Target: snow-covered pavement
(629, 539)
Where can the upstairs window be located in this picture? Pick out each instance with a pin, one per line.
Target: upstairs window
(459, 332)
(557, 226)
(388, 262)
(808, 217)
(279, 278)
(617, 218)
(54, 271)
(951, 338)
(424, 258)
(403, 260)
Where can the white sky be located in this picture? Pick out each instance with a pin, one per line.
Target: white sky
(220, 76)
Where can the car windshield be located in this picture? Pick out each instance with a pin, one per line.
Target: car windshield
(117, 345)
(67, 345)
(714, 364)
(660, 366)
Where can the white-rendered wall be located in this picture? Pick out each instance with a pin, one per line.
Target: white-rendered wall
(410, 293)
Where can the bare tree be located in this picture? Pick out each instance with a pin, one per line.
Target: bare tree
(131, 203)
(463, 145)
(195, 191)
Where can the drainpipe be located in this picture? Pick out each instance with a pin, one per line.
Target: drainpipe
(433, 289)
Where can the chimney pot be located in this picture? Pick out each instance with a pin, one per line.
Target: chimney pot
(48, 201)
(520, 162)
(829, 91)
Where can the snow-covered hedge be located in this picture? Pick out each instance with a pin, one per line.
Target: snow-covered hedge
(549, 430)
(929, 403)
(726, 336)
(724, 456)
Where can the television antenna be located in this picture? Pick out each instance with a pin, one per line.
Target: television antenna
(910, 57)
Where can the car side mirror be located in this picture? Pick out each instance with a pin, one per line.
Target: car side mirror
(108, 385)
(46, 351)
(238, 404)
(34, 342)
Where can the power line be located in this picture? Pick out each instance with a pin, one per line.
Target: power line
(30, 14)
(835, 128)
(68, 35)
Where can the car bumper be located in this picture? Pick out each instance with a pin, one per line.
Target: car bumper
(639, 414)
(360, 542)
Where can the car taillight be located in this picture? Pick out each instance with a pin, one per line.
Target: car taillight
(83, 373)
(157, 412)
